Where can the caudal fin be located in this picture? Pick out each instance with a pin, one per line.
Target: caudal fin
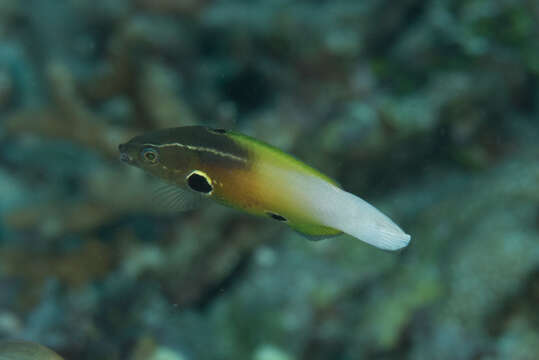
(360, 219)
(383, 236)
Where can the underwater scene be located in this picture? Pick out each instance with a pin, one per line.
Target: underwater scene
(269, 180)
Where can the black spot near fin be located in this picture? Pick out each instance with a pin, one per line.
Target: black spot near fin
(199, 182)
(276, 216)
(217, 131)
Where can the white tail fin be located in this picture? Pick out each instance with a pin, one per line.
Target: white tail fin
(341, 210)
(360, 219)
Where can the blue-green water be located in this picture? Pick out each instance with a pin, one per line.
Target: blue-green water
(427, 109)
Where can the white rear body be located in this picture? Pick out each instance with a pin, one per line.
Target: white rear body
(328, 205)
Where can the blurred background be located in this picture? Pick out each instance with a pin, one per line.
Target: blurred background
(429, 109)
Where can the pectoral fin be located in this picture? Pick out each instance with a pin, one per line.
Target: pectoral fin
(170, 198)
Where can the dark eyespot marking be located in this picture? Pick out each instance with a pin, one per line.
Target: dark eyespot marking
(217, 131)
(200, 182)
(276, 216)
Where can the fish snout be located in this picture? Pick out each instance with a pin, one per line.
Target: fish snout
(124, 155)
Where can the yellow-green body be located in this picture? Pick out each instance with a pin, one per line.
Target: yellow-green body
(261, 188)
(246, 174)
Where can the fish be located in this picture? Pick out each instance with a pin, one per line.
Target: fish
(247, 174)
(25, 350)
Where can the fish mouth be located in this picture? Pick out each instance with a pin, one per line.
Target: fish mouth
(124, 155)
(125, 158)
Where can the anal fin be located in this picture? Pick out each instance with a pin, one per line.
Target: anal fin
(315, 232)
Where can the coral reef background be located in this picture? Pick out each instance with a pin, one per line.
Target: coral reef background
(429, 109)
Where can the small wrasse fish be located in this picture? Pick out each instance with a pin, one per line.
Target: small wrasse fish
(24, 350)
(244, 173)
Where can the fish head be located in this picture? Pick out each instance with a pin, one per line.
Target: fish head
(176, 154)
(157, 156)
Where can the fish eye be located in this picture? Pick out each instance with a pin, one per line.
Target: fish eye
(150, 155)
